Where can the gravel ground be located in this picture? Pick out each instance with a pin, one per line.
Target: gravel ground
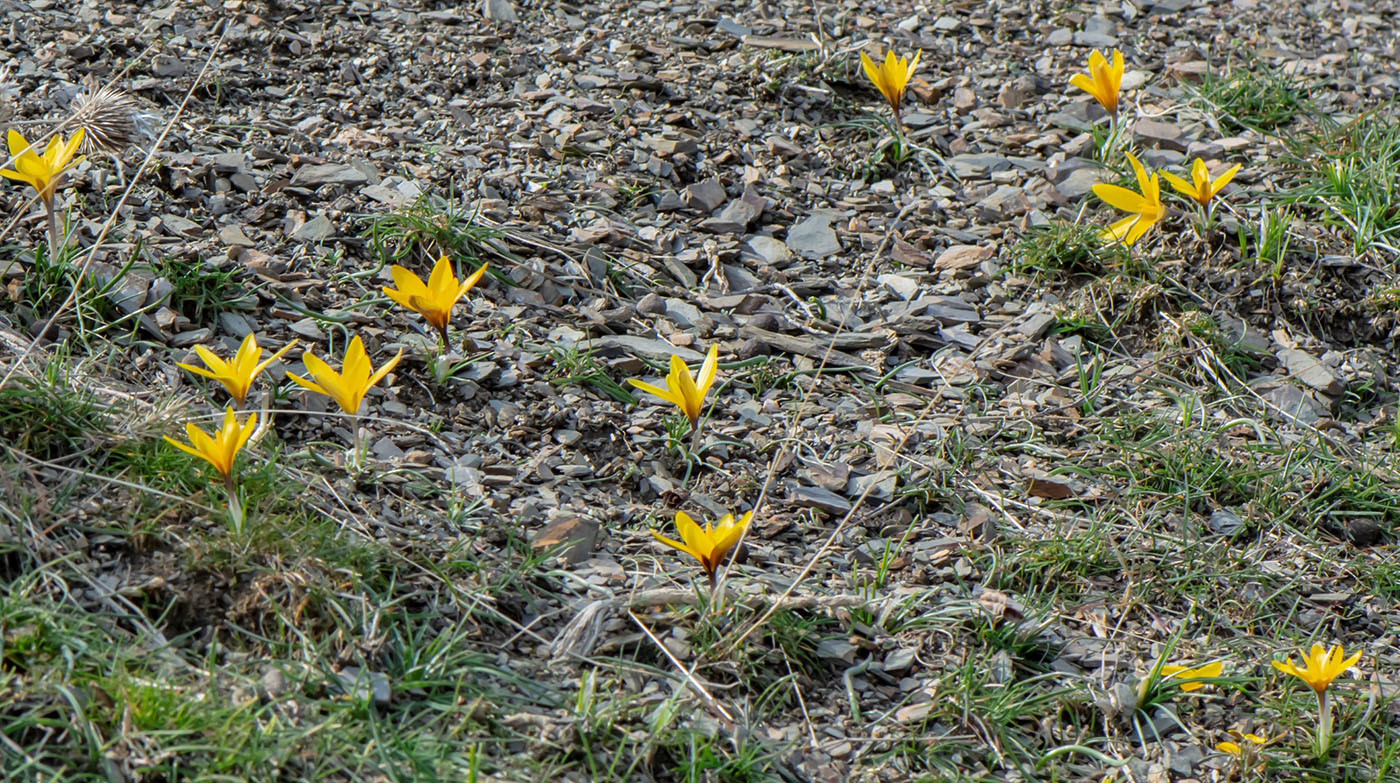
(980, 460)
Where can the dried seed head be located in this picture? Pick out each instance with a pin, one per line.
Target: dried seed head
(108, 117)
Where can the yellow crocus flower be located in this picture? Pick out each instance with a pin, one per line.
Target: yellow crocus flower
(1103, 80)
(1147, 207)
(42, 172)
(223, 446)
(349, 386)
(434, 301)
(709, 545)
(1187, 675)
(1201, 188)
(1320, 666)
(682, 390)
(237, 374)
(891, 77)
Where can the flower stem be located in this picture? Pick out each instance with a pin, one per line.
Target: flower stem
(1324, 723)
(235, 507)
(357, 443)
(53, 230)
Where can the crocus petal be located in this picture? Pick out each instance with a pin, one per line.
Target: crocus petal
(384, 370)
(1142, 226)
(399, 297)
(442, 280)
(16, 143)
(684, 385)
(708, 370)
(436, 316)
(269, 360)
(664, 394)
(1346, 664)
(1120, 197)
(1138, 171)
(871, 71)
(199, 371)
(311, 385)
(183, 447)
(1224, 179)
(694, 537)
(1083, 82)
(356, 367)
(1180, 185)
(1119, 231)
(212, 360)
(674, 544)
(725, 541)
(471, 280)
(74, 143)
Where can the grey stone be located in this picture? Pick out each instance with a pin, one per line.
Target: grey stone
(1095, 40)
(1037, 325)
(1293, 405)
(881, 485)
(1164, 134)
(1100, 25)
(900, 659)
(705, 196)
(822, 499)
(179, 226)
(317, 229)
(274, 683)
(767, 249)
(1242, 334)
(233, 236)
(574, 538)
(365, 685)
(682, 313)
(1161, 158)
(129, 297)
(1308, 369)
(979, 165)
(499, 10)
(227, 162)
(192, 337)
(1079, 183)
(651, 304)
(161, 290)
(307, 328)
(1005, 200)
(643, 347)
(167, 67)
(735, 218)
(234, 324)
(1016, 92)
(1225, 523)
(1205, 150)
(731, 27)
(813, 238)
(1168, 7)
(328, 174)
(386, 450)
(1062, 36)
(903, 286)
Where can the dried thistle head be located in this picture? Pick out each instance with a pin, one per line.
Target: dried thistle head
(107, 115)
